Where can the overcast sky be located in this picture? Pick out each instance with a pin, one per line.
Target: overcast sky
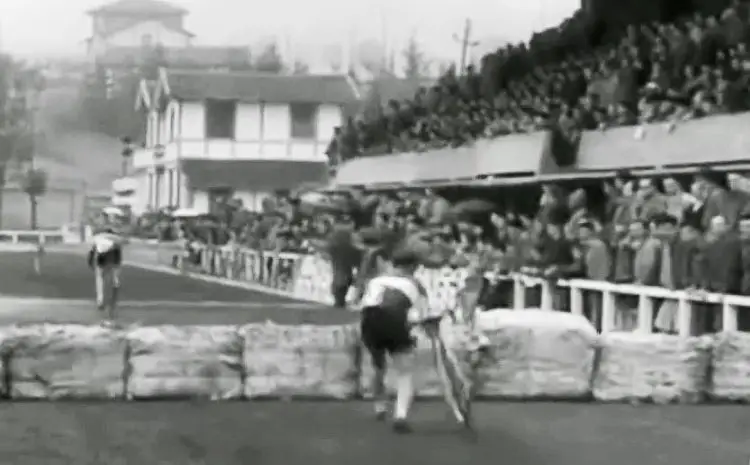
(52, 27)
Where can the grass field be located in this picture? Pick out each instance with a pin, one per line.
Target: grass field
(303, 433)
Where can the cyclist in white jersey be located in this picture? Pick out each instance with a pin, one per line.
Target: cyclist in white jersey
(105, 257)
(391, 304)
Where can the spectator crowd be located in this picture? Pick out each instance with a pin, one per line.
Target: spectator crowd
(571, 78)
(647, 231)
(676, 232)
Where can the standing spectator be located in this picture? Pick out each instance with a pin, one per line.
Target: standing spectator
(647, 261)
(433, 208)
(687, 258)
(666, 232)
(722, 267)
(620, 208)
(552, 204)
(743, 323)
(719, 199)
(625, 251)
(579, 213)
(597, 265)
(649, 201)
(676, 199)
(344, 258)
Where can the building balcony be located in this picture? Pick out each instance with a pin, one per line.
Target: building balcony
(220, 149)
(124, 186)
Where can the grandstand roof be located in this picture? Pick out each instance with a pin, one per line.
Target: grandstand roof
(152, 7)
(253, 87)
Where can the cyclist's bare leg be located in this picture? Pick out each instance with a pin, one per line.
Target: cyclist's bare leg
(114, 277)
(380, 396)
(403, 365)
(99, 282)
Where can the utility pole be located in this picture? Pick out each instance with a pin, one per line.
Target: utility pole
(466, 43)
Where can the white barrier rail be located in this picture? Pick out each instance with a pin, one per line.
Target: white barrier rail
(687, 301)
(309, 277)
(69, 234)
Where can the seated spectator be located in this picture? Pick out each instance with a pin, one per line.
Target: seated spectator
(658, 72)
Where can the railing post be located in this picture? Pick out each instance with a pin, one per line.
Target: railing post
(684, 316)
(545, 288)
(729, 316)
(229, 269)
(519, 293)
(645, 314)
(608, 312)
(576, 298)
(206, 260)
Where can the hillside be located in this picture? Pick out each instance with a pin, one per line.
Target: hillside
(70, 153)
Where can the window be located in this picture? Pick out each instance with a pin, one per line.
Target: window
(220, 119)
(303, 117)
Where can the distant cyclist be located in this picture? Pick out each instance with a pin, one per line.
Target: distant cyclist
(105, 257)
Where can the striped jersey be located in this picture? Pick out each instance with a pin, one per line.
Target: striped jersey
(397, 294)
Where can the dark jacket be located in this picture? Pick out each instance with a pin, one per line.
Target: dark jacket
(721, 265)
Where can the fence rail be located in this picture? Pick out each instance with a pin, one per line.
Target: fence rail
(309, 277)
(69, 234)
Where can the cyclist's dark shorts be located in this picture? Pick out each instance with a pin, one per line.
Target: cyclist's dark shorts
(385, 332)
(109, 258)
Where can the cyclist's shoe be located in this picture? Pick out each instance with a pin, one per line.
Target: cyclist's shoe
(401, 426)
(100, 306)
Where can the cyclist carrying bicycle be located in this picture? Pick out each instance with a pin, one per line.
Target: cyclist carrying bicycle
(105, 258)
(391, 305)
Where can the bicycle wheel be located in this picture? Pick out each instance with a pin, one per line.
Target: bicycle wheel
(456, 386)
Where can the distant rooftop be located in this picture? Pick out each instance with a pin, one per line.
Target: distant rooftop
(253, 87)
(180, 57)
(155, 7)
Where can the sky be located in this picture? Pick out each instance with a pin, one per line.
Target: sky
(58, 27)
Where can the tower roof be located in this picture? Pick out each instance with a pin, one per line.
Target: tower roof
(155, 7)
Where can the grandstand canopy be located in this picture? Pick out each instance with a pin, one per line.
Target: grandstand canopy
(510, 157)
(719, 140)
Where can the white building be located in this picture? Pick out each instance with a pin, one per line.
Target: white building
(137, 23)
(213, 135)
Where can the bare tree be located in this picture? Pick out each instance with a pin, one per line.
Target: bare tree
(300, 67)
(270, 60)
(35, 186)
(416, 65)
(17, 84)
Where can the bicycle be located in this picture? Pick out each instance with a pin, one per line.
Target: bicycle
(459, 388)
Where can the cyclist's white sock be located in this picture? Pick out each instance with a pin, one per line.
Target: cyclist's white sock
(404, 395)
